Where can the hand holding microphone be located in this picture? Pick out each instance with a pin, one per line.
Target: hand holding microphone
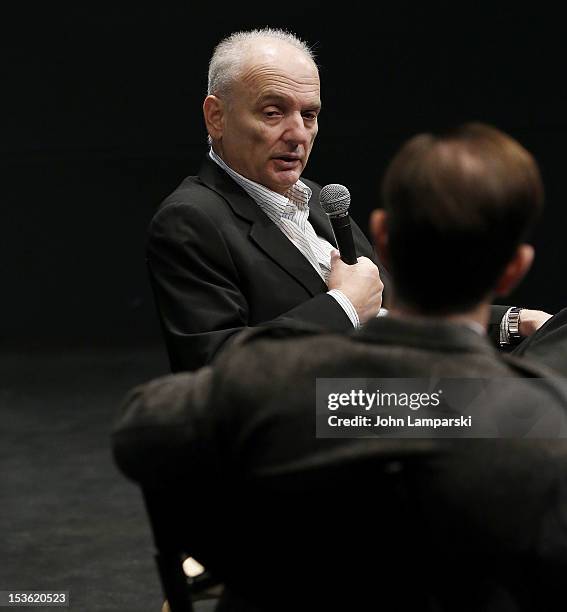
(357, 278)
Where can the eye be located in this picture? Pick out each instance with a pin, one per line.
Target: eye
(310, 115)
(270, 113)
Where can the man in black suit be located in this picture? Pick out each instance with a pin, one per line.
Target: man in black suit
(245, 242)
(289, 520)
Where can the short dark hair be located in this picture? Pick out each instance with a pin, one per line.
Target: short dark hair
(459, 203)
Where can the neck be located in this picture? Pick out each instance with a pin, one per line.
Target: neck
(479, 315)
(215, 146)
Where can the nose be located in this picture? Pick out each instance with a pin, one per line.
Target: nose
(296, 132)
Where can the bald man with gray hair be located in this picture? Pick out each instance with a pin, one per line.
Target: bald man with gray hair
(245, 242)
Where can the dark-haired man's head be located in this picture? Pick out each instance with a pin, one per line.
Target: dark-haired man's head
(458, 207)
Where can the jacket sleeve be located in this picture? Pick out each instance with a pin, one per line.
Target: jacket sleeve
(497, 312)
(198, 291)
(164, 433)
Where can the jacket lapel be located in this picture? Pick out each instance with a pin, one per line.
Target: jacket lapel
(263, 233)
(319, 219)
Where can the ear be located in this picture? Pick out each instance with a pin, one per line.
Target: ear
(213, 111)
(379, 232)
(516, 269)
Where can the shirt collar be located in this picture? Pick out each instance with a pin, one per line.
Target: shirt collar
(297, 195)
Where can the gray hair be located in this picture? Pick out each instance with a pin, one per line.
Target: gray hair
(230, 53)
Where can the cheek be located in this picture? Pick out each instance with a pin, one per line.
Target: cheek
(247, 132)
(258, 137)
(316, 129)
(263, 135)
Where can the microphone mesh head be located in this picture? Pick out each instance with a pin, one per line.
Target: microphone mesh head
(335, 199)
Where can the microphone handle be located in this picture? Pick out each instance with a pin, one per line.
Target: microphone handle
(343, 237)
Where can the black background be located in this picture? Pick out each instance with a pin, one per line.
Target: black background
(102, 110)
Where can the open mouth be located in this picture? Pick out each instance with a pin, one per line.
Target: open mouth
(287, 157)
(288, 161)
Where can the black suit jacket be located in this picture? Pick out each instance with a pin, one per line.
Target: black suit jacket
(218, 264)
(291, 521)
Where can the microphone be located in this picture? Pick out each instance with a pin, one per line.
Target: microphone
(335, 200)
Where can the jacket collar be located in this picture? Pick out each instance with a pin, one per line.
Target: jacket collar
(265, 234)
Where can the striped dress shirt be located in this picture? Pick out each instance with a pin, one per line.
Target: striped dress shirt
(290, 212)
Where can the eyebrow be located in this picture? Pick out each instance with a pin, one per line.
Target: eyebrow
(279, 98)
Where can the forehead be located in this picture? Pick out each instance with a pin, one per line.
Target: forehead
(276, 70)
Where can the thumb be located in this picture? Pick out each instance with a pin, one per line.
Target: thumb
(335, 254)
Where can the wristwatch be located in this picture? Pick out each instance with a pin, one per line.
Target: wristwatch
(514, 325)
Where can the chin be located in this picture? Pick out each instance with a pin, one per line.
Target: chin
(284, 183)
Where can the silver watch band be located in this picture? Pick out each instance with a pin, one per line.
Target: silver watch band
(514, 325)
(510, 327)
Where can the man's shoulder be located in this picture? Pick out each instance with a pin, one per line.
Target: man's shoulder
(192, 201)
(283, 343)
(191, 192)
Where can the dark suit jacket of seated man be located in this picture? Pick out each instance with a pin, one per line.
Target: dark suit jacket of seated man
(288, 521)
(218, 264)
(292, 521)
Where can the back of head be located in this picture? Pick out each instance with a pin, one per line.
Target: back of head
(459, 203)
